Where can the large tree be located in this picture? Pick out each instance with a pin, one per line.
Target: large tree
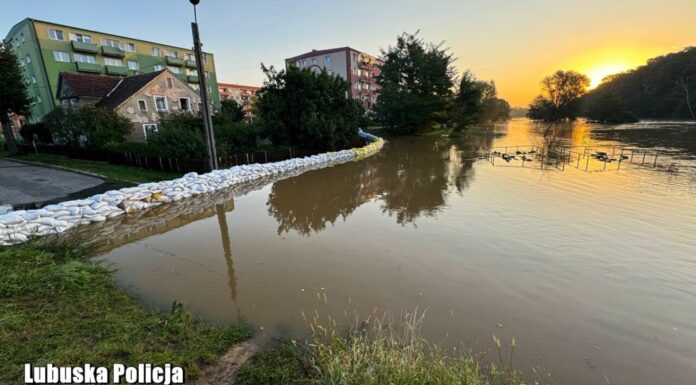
(13, 93)
(477, 101)
(416, 83)
(302, 107)
(559, 98)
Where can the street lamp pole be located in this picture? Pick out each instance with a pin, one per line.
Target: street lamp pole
(207, 119)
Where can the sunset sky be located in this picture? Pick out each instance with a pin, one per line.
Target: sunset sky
(515, 43)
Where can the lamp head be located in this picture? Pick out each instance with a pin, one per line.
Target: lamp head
(195, 2)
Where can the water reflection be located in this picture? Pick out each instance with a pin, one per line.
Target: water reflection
(227, 250)
(411, 177)
(592, 273)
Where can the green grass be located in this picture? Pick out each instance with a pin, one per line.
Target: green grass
(58, 307)
(107, 170)
(384, 352)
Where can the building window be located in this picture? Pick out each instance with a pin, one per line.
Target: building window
(314, 61)
(205, 59)
(159, 67)
(155, 51)
(149, 128)
(61, 56)
(81, 38)
(142, 105)
(191, 72)
(110, 43)
(172, 54)
(55, 34)
(174, 69)
(129, 47)
(82, 58)
(207, 74)
(190, 56)
(21, 62)
(33, 79)
(161, 103)
(210, 89)
(38, 99)
(327, 60)
(185, 104)
(133, 65)
(28, 59)
(170, 83)
(113, 62)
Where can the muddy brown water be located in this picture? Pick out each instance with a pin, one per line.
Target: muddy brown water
(593, 273)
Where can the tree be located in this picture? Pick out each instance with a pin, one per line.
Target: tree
(663, 88)
(87, 125)
(415, 85)
(468, 103)
(13, 94)
(302, 107)
(560, 95)
(683, 84)
(606, 107)
(231, 110)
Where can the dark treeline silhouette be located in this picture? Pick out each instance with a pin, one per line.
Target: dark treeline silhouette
(664, 88)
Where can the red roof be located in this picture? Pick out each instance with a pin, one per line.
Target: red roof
(233, 85)
(88, 84)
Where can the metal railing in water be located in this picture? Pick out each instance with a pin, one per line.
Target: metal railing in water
(584, 158)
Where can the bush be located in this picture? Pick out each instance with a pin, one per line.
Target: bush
(301, 107)
(88, 125)
(180, 136)
(39, 129)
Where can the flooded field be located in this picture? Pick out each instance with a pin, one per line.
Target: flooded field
(593, 273)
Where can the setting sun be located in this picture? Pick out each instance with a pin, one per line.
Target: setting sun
(598, 73)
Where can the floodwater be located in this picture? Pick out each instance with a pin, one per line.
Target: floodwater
(592, 272)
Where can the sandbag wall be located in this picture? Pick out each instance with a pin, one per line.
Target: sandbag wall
(21, 225)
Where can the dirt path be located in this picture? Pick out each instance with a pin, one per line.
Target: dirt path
(224, 370)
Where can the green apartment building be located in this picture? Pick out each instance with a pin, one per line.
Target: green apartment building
(45, 49)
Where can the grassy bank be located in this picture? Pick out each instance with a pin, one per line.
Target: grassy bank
(383, 353)
(57, 307)
(106, 170)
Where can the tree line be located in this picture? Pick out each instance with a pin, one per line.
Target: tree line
(420, 92)
(664, 88)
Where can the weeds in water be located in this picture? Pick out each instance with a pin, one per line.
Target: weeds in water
(375, 351)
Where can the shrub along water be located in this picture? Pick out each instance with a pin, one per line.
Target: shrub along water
(373, 352)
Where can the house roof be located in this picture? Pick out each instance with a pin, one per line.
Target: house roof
(315, 52)
(87, 85)
(126, 89)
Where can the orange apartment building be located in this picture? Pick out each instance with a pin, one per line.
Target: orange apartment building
(244, 95)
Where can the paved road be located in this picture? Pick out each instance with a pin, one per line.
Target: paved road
(23, 184)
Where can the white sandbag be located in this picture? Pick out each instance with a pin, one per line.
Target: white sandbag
(11, 219)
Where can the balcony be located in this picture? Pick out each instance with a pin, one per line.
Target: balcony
(112, 52)
(88, 67)
(116, 70)
(175, 61)
(84, 47)
(190, 63)
(192, 79)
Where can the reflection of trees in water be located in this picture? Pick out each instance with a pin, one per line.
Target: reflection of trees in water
(309, 201)
(411, 176)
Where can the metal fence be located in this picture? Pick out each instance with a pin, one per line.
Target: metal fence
(159, 163)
